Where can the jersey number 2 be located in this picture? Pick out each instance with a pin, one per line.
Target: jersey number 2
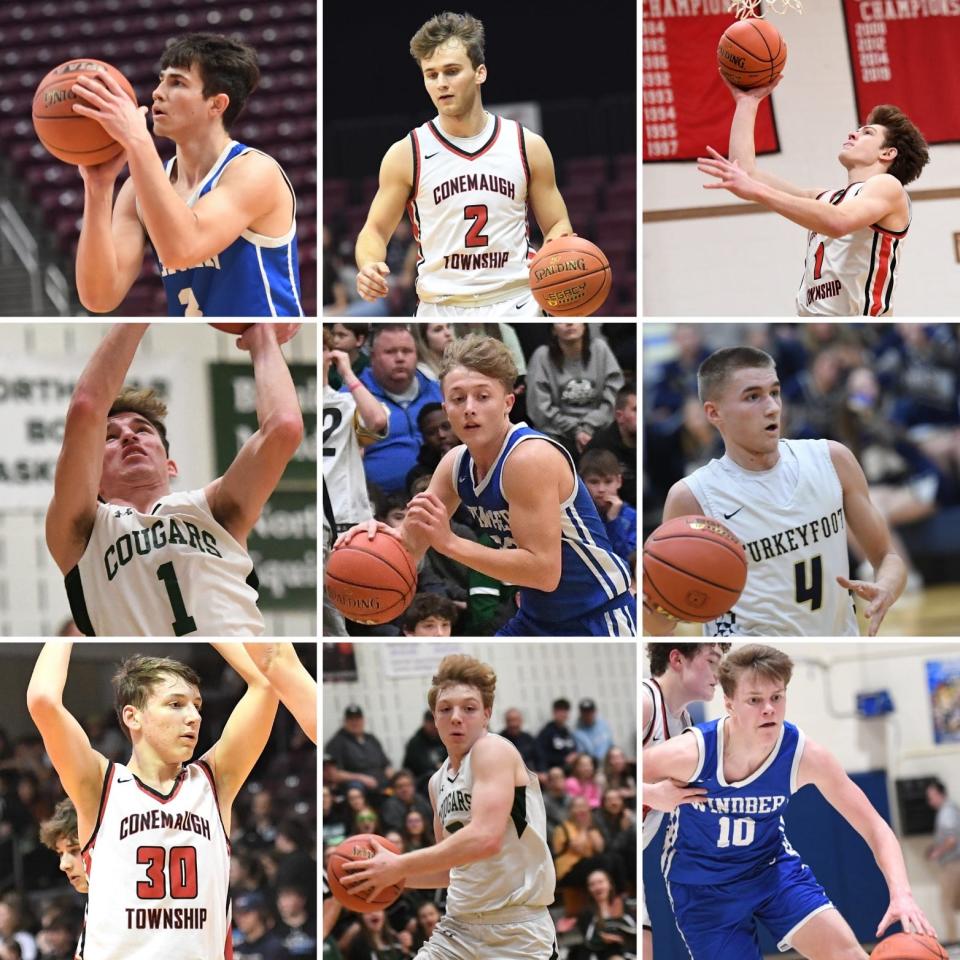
(478, 214)
(182, 872)
(187, 298)
(183, 623)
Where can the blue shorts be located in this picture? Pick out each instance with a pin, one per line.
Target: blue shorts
(618, 618)
(720, 922)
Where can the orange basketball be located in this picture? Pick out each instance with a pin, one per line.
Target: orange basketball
(371, 581)
(570, 277)
(909, 946)
(694, 568)
(751, 53)
(236, 328)
(359, 847)
(67, 135)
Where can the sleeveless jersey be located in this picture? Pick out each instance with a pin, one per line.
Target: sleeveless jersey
(159, 870)
(170, 572)
(662, 727)
(791, 521)
(522, 873)
(468, 212)
(738, 828)
(343, 475)
(853, 275)
(256, 276)
(591, 573)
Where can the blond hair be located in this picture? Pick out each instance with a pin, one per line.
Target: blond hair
(147, 404)
(485, 355)
(136, 677)
(459, 668)
(767, 663)
(449, 26)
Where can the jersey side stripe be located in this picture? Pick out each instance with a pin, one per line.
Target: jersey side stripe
(893, 274)
(265, 280)
(293, 282)
(588, 561)
(611, 566)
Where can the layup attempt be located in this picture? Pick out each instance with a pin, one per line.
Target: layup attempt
(465, 179)
(155, 831)
(524, 492)
(493, 857)
(791, 503)
(854, 246)
(137, 559)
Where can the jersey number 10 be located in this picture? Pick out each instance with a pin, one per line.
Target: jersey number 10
(743, 832)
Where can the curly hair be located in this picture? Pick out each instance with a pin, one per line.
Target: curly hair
(448, 26)
(912, 152)
(459, 668)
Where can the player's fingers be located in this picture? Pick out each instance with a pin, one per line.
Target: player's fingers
(847, 584)
(372, 526)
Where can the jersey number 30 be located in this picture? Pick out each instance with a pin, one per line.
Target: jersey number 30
(181, 872)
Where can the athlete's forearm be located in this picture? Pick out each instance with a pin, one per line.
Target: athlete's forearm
(516, 566)
(277, 403)
(49, 675)
(103, 376)
(370, 248)
(819, 217)
(290, 679)
(371, 413)
(465, 846)
(236, 655)
(742, 146)
(562, 228)
(892, 574)
(889, 857)
(428, 881)
(96, 264)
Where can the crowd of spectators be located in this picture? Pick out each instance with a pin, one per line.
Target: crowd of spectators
(889, 392)
(576, 385)
(590, 794)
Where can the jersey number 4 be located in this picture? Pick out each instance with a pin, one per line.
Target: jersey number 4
(183, 623)
(181, 873)
(809, 591)
(478, 214)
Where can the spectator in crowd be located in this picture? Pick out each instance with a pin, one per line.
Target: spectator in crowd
(392, 509)
(572, 385)
(677, 379)
(612, 818)
(577, 845)
(250, 915)
(620, 438)
(393, 379)
(438, 438)
(523, 741)
(428, 916)
(294, 864)
(608, 927)
(417, 831)
(490, 602)
(358, 754)
(356, 800)
(403, 799)
(616, 776)
(10, 949)
(246, 871)
(334, 823)
(814, 400)
(945, 852)
(556, 743)
(592, 732)
(429, 615)
(431, 339)
(424, 752)
(59, 834)
(13, 927)
(350, 338)
(373, 937)
(262, 831)
(297, 927)
(366, 820)
(334, 290)
(57, 938)
(600, 471)
(556, 800)
(583, 781)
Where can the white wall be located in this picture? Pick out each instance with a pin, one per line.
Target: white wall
(751, 265)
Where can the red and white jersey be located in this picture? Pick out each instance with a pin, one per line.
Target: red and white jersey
(468, 210)
(853, 275)
(159, 870)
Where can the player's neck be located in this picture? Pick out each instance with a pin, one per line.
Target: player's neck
(154, 772)
(742, 754)
(196, 157)
(675, 696)
(467, 125)
(485, 456)
(752, 459)
(861, 174)
(141, 498)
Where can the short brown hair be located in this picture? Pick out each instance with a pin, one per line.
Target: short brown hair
(459, 668)
(659, 653)
(717, 368)
(138, 675)
(485, 355)
(428, 605)
(446, 26)
(148, 405)
(767, 663)
(61, 826)
(912, 152)
(599, 463)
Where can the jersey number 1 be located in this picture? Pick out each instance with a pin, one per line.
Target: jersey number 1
(182, 872)
(818, 262)
(184, 623)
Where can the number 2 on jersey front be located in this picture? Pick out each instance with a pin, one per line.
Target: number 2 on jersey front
(478, 213)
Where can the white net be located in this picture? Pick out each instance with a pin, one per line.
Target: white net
(754, 8)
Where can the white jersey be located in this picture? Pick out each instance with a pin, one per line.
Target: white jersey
(343, 475)
(791, 521)
(170, 572)
(468, 211)
(522, 873)
(663, 726)
(159, 870)
(853, 275)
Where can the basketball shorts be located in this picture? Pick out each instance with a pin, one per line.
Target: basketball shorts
(523, 305)
(618, 618)
(455, 939)
(720, 922)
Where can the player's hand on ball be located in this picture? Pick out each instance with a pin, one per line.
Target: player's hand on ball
(427, 517)
(372, 281)
(103, 99)
(370, 528)
(366, 878)
(904, 908)
(879, 600)
(754, 93)
(104, 175)
(255, 333)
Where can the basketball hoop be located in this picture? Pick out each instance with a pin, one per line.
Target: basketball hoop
(752, 8)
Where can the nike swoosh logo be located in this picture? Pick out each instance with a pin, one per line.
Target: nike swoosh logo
(727, 516)
(427, 156)
(128, 780)
(517, 306)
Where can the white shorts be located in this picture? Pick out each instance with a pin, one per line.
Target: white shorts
(531, 939)
(522, 305)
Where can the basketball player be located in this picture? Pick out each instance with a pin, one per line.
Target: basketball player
(492, 853)
(60, 835)
(791, 503)
(856, 231)
(221, 216)
(465, 179)
(297, 690)
(523, 491)
(725, 871)
(680, 674)
(137, 559)
(155, 831)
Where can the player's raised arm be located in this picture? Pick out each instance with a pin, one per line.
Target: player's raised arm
(76, 481)
(237, 497)
(279, 663)
(396, 182)
(545, 198)
(80, 768)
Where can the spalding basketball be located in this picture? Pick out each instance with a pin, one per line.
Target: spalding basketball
(67, 135)
(694, 568)
(909, 946)
(570, 277)
(359, 847)
(236, 328)
(371, 581)
(752, 53)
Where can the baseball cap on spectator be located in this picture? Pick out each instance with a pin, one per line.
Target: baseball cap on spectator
(586, 705)
(562, 704)
(249, 901)
(353, 710)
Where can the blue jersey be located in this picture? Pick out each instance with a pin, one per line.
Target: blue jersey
(256, 276)
(591, 574)
(738, 829)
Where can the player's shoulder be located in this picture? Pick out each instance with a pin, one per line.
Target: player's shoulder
(680, 501)
(885, 183)
(493, 749)
(844, 462)
(398, 161)
(253, 168)
(531, 458)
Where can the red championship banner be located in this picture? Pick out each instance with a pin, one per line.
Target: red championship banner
(685, 104)
(905, 52)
